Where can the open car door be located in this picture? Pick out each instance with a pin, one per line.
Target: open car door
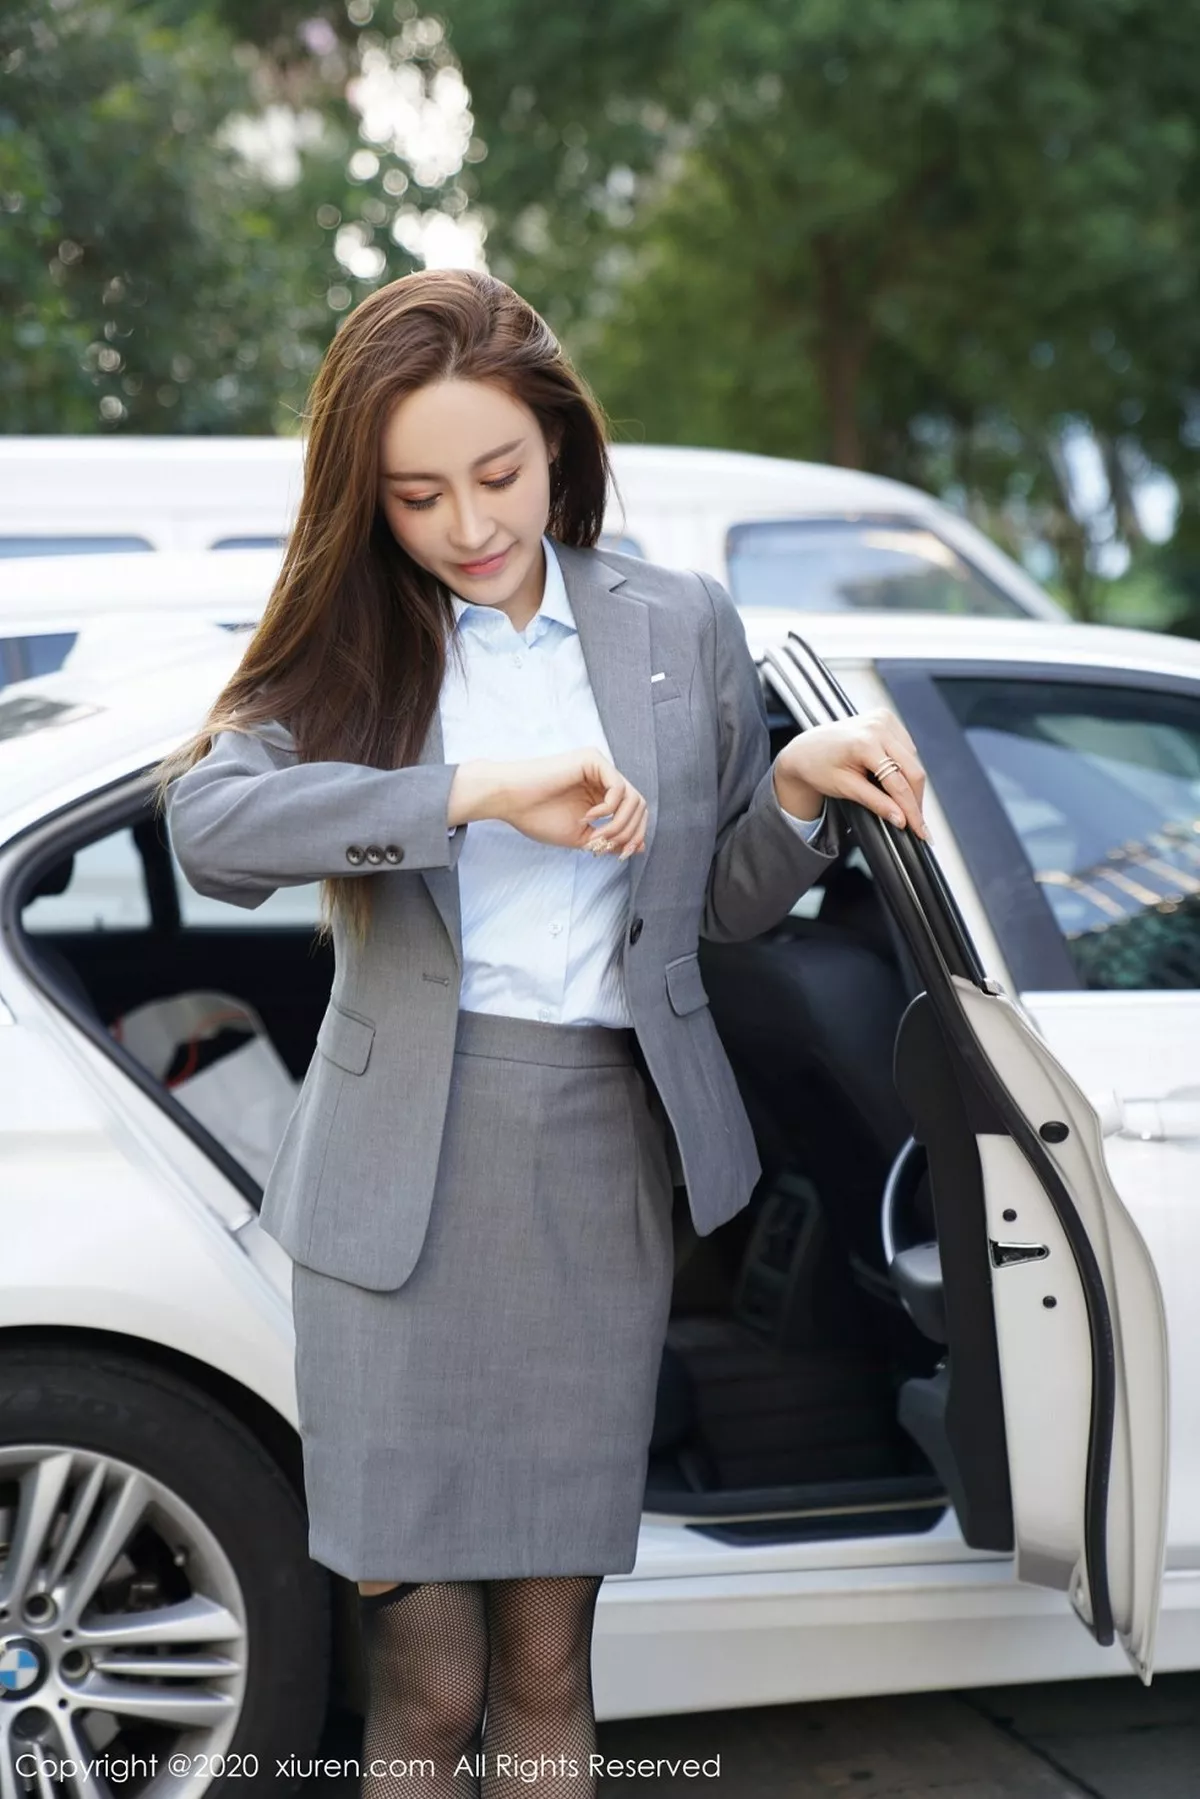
(1047, 1416)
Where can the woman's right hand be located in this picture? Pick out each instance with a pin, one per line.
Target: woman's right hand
(556, 799)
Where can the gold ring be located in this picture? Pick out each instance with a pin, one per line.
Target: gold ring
(889, 766)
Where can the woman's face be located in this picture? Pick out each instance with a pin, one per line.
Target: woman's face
(465, 487)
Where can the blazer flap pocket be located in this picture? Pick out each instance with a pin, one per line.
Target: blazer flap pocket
(685, 985)
(346, 1039)
(666, 689)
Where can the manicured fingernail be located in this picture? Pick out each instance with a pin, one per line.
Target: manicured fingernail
(627, 852)
(897, 818)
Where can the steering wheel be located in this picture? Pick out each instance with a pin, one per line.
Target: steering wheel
(910, 1248)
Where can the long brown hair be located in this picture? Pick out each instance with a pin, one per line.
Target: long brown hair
(351, 649)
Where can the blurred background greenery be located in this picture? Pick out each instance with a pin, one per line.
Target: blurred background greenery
(953, 241)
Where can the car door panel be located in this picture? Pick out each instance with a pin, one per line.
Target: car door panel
(1112, 1316)
(1075, 1320)
(1076, 787)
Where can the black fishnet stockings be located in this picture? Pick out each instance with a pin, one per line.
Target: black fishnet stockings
(540, 1726)
(425, 1660)
(480, 1688)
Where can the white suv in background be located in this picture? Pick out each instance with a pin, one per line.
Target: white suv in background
(776, 532)
(77, 516)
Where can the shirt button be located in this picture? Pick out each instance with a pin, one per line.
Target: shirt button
(555, 928)
(516, 662)
(544, 1015)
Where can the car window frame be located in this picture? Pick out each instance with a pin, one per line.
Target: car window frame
(1028, 934)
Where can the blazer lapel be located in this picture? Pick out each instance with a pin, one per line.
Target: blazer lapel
(614, 636)
(442, 882)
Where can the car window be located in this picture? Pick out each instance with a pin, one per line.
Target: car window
(105, 890)
(287, 906)
(616, 540)
(39, 653)
(248, 543)
(70, 546)
(857, 565)
(1102, 786)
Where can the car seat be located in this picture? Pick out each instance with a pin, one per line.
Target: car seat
(808, 1013)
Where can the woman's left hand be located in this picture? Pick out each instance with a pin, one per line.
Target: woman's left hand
(835, 759)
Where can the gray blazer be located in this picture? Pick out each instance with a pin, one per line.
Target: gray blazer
(351, 1186)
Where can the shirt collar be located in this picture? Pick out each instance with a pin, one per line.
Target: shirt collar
(555, 603)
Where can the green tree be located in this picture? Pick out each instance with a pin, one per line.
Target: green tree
(154, 274)
(924, 239)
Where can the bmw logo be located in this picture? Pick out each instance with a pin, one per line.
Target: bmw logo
(21, 1667)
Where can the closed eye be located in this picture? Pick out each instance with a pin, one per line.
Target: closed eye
(423, 505)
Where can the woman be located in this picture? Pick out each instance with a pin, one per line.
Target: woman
(451, 694)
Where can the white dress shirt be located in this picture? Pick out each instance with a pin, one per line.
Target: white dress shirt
(542, 926)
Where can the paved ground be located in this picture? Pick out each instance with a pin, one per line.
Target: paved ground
(1104, 1739)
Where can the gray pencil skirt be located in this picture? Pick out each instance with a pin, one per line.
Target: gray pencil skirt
(491, 1417)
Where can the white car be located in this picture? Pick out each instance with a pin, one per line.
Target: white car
(776, 532)
(913, 1413)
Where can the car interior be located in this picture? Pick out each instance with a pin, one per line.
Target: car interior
(792, 1344)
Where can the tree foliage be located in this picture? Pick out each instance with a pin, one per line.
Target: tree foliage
(934, 240)
(923, 239)
(152, 278)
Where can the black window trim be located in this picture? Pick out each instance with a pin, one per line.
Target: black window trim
(1020, 916)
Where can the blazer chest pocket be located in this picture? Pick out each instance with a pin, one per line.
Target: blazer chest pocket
(346, 1039)
(674, 737)
(685, 985)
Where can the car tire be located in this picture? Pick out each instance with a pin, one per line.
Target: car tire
(231, 1501)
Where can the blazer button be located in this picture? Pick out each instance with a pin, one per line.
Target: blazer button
(393, 853)
(374, 853)
(635, 930)
(354, 854)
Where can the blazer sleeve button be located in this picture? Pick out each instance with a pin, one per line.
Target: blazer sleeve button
(374, 853)
(354, 854)
(393, 853)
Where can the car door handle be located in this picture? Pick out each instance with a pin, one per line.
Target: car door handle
(1172, 1118)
